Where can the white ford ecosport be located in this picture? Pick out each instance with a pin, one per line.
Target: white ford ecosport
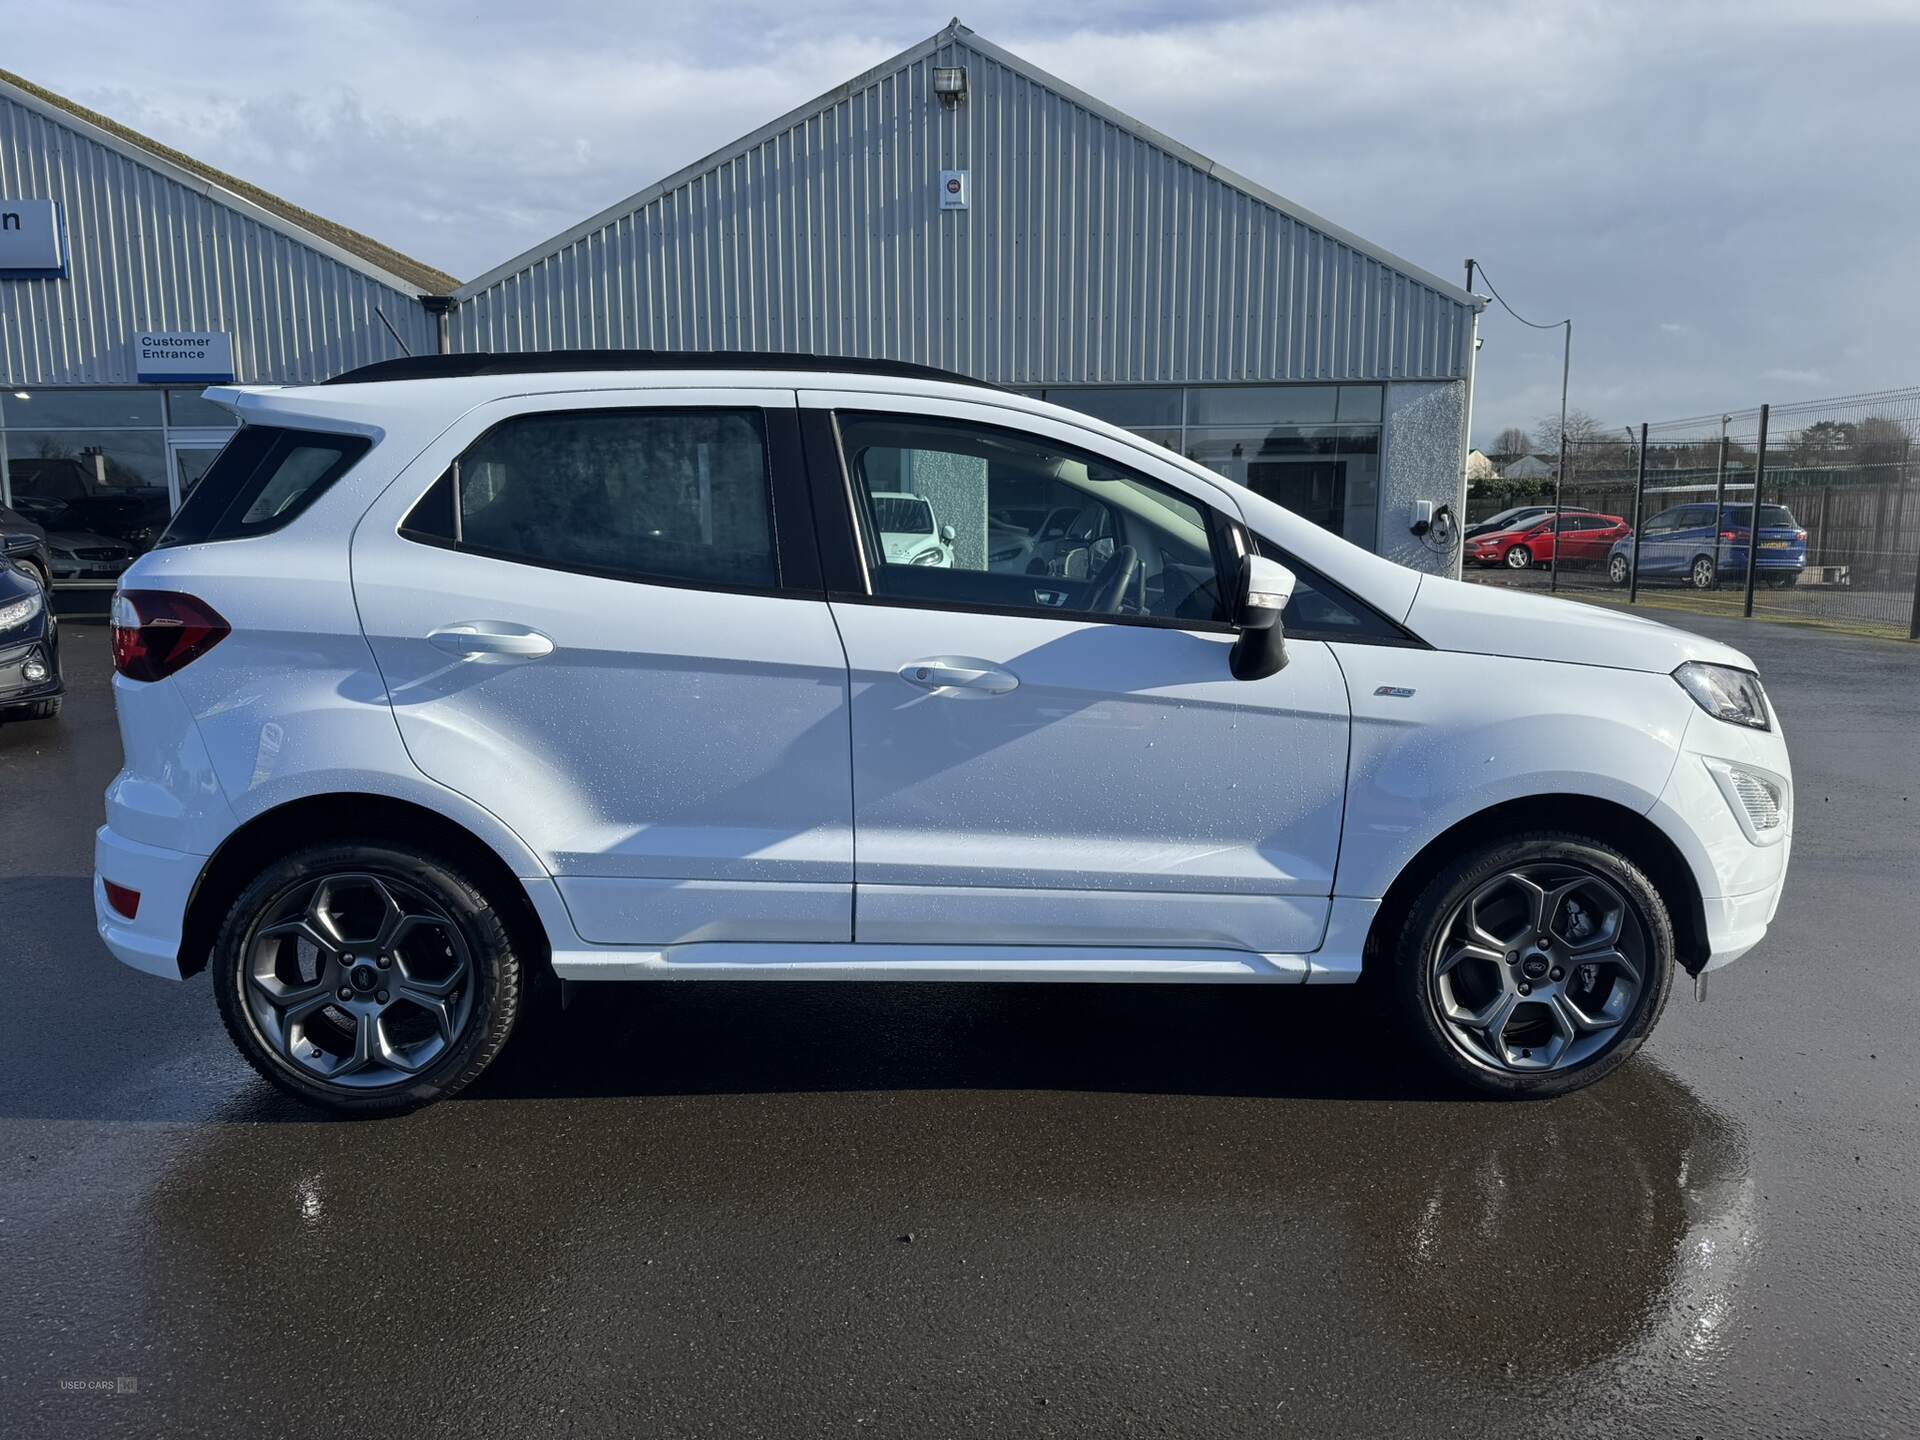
(460, 671)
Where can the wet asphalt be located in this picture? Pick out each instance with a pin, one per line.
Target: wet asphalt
(936, 1210)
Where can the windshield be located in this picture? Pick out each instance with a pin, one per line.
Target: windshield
(903, 514)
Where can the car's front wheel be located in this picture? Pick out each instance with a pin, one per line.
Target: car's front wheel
(366, 979)
(1519, 558)
(1534, 965)
(1618, 570)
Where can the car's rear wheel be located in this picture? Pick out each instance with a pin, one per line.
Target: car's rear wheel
(366, 979)
(1618, 570)
(1703, 573)
(1783, 580)
(1533, 966)
(1519, 557)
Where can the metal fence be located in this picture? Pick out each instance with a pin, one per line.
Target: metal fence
(1846, 471)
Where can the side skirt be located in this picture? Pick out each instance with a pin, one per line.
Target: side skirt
(1336, 962)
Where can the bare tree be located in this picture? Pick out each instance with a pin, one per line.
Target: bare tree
(1513, 441)
(1582, 429)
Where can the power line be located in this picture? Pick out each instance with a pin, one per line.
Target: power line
(1534, 324)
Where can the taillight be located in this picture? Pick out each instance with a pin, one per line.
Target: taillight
(1801, 536)
(156, 632)
(1731, 534)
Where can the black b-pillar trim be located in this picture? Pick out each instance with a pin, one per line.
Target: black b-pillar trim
(832, 512)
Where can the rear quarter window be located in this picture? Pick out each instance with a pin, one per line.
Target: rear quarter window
(266, 475)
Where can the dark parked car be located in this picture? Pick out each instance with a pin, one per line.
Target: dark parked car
(30, 683)
(1684, 544)
(64, 493)
(24, 540)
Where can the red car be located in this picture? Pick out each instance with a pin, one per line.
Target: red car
(1584, 538)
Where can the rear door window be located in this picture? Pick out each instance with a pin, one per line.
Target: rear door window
(262, 479)
(672, 496)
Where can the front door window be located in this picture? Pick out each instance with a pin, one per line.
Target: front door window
(955, 513)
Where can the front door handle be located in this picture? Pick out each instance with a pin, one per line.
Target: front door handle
(958, 676)
(491, 637)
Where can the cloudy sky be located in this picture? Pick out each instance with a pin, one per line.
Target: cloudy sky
(1722, 196)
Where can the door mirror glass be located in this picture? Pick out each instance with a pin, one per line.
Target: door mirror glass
(1265, 587)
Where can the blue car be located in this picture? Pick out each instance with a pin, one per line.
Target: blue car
(1683, 544)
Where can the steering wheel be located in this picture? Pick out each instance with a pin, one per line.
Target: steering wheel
(1111, 584)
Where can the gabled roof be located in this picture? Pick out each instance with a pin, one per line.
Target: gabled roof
(956, 33)
(366, 254)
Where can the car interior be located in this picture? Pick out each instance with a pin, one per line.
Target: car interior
(1035, 527)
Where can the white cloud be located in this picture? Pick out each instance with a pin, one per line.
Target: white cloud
(1624, 164)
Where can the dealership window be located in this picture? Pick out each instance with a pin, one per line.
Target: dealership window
(100, 470)
(1312, 448)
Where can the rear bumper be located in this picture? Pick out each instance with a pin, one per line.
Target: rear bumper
(164, 880)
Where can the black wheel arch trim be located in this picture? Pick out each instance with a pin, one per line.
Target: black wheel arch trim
(318, 819)
(1633, 834)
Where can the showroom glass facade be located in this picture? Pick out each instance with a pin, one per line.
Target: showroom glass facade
(1312, 448)
(102, 470)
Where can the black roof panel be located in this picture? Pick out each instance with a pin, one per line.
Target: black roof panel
(545, 362)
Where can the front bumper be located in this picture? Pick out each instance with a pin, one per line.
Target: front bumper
(164, 880)
(1740, 880)
(16, 691)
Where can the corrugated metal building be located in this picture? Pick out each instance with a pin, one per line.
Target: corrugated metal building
(1084, 256)
(131, 276)
(954, 206)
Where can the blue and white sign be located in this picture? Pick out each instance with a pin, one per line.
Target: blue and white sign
(171, 357)
(33, 240)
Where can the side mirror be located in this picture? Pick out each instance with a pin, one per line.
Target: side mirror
(1265, 587)
(947, 532)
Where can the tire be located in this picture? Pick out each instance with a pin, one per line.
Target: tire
(416, 1026)
(1786, 580)
(1518, 557)
(1619, 571)
(1703, 574)
(1620, 998)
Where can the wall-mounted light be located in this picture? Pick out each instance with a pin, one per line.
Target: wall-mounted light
(950, 84)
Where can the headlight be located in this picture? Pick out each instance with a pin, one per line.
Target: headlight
(926, 557)
(19, 612)
(1726, 693)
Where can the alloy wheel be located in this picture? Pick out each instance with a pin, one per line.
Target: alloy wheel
(1618, 570)
(1540, 968)
(1519, 558)
(1703, 573)
(358, 980)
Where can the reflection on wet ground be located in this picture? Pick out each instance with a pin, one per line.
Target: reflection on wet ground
(930, 1210)
(687, 1205)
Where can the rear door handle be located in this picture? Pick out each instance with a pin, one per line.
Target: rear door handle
(491, 637)
(959, 676)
